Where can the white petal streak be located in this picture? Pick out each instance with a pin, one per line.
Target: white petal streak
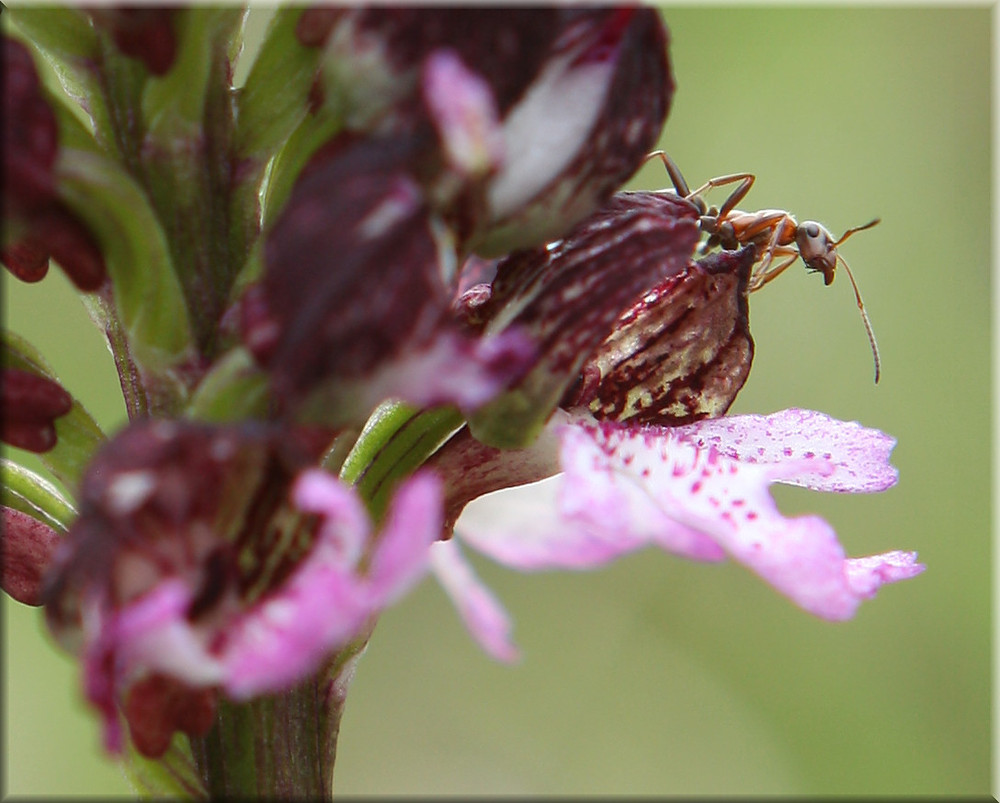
(547, 129)
(152, 632)
(464, 110)
(524, 528)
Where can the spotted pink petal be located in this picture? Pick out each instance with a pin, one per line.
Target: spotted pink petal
(859, 456)
(527, 527)
(482, 614)
(865, 575)
(627, 487)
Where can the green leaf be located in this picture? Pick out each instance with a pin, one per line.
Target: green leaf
(65, 35)
(275, 98)
(73, 132)
(23, 490)
(395, 441)
(172, 776)
(235, 388)
(77, 434)
(513, 419)
(276, 132)
(252, 270)
(174, 104)
(67, 42)
(147, 292)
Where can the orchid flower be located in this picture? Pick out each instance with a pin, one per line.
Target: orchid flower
(641, 450)
(347, 302)
(698, 491)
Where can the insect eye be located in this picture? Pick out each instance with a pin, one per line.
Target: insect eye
(812, 229)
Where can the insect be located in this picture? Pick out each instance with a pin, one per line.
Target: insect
(774, 232)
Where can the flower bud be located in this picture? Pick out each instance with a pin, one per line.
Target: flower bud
(37, 224)
(28, 547)
(568, 295)
(29, 404)
(145, 33)
(27, 259)
(354, 306)
(29, 131)
(554, 108)
(582, 128)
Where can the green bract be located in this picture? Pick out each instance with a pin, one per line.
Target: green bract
(274, 99)
(147, 293)
(29, 493)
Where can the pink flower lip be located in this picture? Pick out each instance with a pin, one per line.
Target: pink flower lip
(699, 491)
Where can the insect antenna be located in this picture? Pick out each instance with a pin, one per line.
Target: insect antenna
(861, 304)
(856, 229)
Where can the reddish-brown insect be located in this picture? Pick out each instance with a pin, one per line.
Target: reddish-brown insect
(774, 232)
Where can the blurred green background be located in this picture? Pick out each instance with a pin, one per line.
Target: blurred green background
(661, 676)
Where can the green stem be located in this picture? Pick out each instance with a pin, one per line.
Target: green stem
(121, 80)
(283, 746)
(267, 748)
(147, 393)
(102, 311)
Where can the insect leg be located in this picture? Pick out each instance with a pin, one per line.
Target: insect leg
(746, 182)
(775, 222)
(680, 185)
(763, 274)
